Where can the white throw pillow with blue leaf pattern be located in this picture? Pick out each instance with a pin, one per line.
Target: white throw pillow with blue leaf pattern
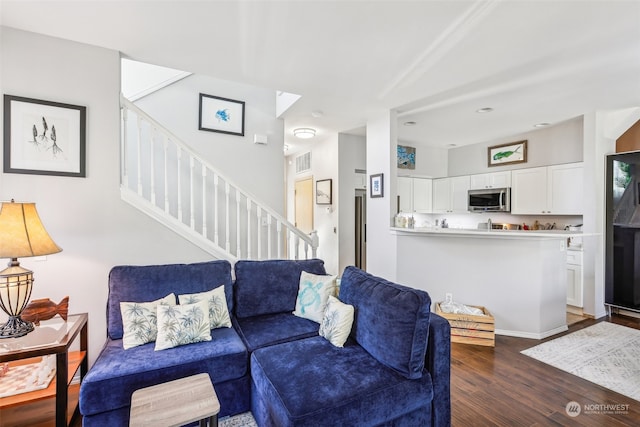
(218, 310)
(313, 292)
(182, 324)
(139, 323)
(337, 321)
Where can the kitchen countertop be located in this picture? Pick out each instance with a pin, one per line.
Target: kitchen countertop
(499, 234)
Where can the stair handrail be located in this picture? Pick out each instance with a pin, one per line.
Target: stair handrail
(311, 239)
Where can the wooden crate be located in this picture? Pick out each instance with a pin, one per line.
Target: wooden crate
(471, 329)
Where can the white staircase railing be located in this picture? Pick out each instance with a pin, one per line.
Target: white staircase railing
(163, 177)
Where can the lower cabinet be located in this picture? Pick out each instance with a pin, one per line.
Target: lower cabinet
(574, 278)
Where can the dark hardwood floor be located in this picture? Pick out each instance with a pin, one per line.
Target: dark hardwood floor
(501, 387)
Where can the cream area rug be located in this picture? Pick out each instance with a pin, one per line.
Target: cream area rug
(605, 353)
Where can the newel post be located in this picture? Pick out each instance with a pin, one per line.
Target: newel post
(315, 242)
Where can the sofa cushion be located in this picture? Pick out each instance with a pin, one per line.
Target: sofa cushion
(391, 321)
(337, 322)
(270, 329)
(117, 373)
(183, 324)
(269, 287)
(218, 311)
(140, 321)
(151, 282)
(313, 293)
(311, 382)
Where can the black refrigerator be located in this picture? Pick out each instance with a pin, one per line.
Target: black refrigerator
(622, 232)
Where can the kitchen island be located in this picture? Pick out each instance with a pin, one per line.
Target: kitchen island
(519, 276)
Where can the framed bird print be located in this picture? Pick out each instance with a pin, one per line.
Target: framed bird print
(221, 115)
(44, 137)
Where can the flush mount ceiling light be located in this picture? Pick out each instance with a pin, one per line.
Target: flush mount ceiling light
(484, 110)
(541, 125)
(304, 133)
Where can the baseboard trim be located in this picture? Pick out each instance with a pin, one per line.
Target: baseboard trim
(532, 335)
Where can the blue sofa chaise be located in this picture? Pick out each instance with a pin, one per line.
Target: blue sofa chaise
(393, 370)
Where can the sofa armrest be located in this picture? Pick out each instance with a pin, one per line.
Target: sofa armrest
(438, 363)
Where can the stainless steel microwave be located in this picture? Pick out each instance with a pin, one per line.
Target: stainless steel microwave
(490, 200)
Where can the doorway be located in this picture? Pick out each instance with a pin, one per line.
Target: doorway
(361, 229)
(303, 199)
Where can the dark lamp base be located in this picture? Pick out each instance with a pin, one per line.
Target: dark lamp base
(15, 327)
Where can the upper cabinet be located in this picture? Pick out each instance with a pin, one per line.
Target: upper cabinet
(551, 190)
(450, 194)
(414, 195)
(490, 180)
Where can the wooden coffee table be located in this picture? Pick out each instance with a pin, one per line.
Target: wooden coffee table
(176, 403)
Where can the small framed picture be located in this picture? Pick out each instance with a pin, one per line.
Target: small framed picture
(406, 157)
(323, 192)
(44, 137)
(221, 115)
(507, 154)
(376, 185)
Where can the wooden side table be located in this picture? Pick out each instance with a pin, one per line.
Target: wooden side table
(176, 403)
(53, 336)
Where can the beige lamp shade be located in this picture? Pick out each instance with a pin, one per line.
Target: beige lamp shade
(22, 233)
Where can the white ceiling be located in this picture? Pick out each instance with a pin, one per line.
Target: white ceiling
(435, 62)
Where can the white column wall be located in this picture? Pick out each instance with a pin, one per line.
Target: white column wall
(381, 158)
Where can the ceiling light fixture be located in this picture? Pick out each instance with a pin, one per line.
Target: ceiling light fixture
(541, 125)
(484, 110)
(304, 133)
(411, 123)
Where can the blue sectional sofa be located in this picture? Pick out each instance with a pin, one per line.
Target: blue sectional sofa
(394, 368)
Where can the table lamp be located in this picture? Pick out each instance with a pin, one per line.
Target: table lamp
(21, 235)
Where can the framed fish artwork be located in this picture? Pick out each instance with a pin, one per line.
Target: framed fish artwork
(507, 154)
(44, 137)
(222, 115)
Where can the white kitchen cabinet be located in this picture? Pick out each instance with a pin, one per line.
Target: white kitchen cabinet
(565, 189)
(529, 191)
(574, 278)
(490, 180)
(405, 194)
(415, 195)
(450, 194)
(549, 190)
(422, 195)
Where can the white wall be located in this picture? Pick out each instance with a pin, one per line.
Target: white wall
(248, 165)
(85, 216)
(382, 158)
(557, 144)
(352, 156)
(430, 161)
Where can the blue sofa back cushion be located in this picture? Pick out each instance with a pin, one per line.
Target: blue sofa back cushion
(150, 282)
(391, 321)
(270, 287)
